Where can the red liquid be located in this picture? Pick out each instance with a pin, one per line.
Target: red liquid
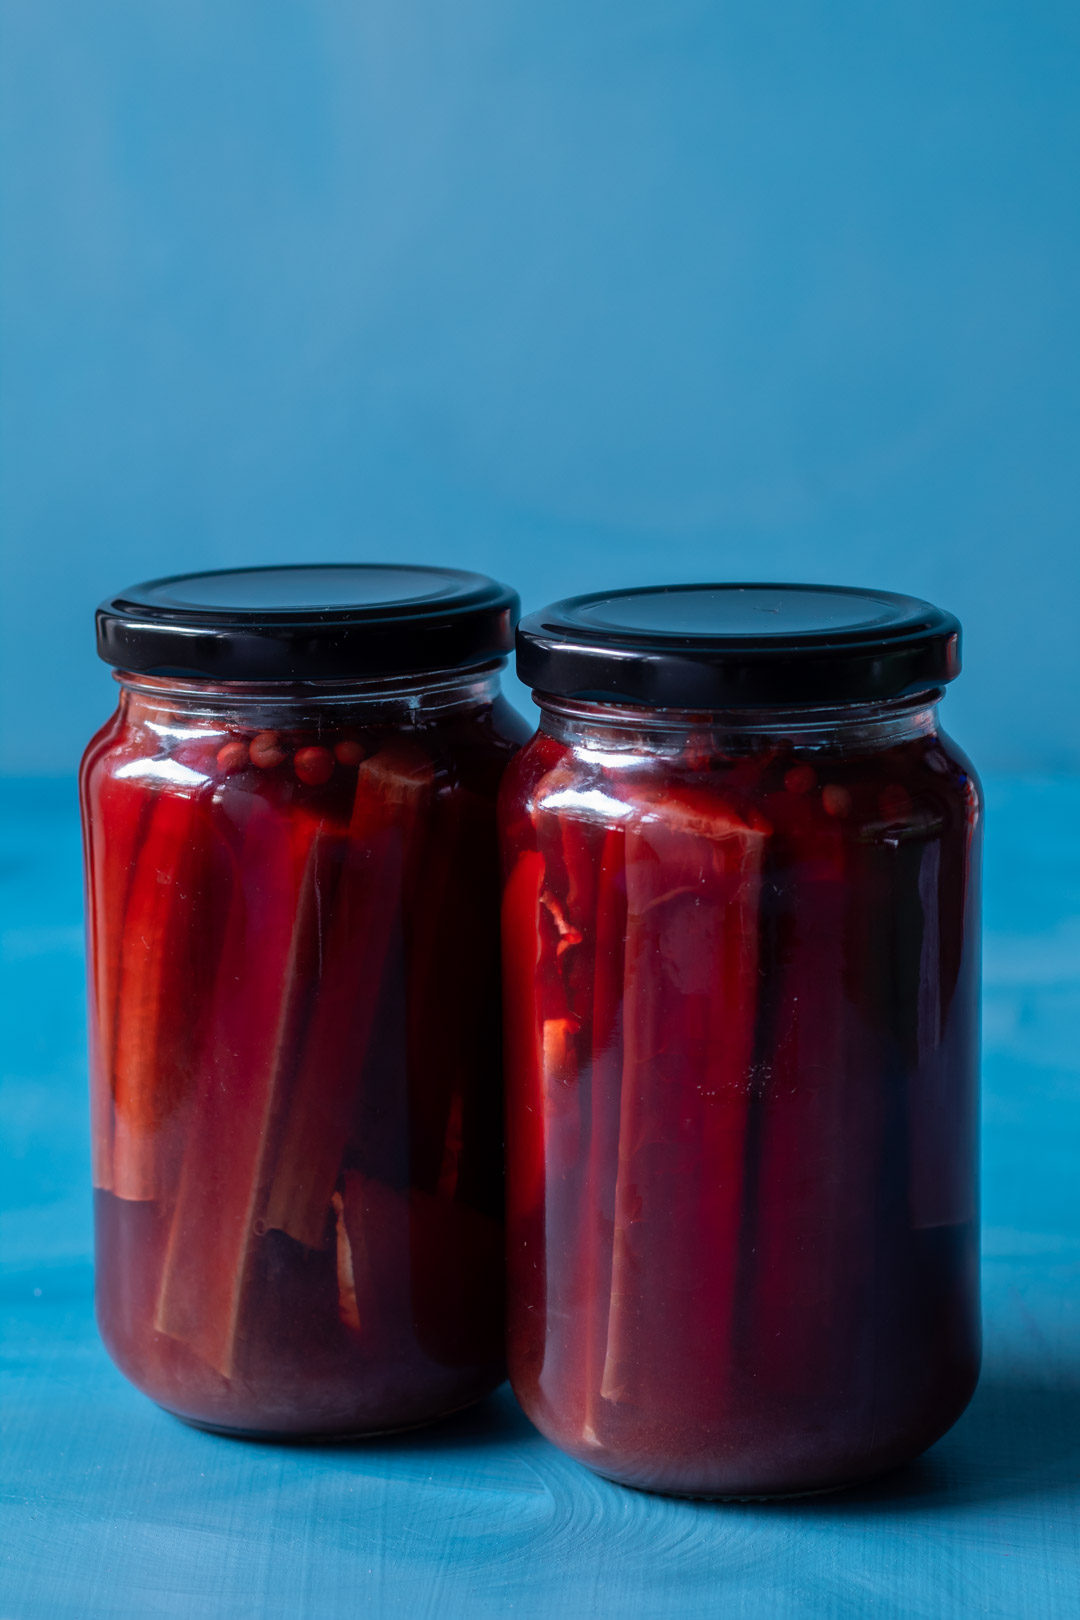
(296, 1077)
(741, 994)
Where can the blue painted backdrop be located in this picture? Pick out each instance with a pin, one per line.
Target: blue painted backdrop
(581, 292)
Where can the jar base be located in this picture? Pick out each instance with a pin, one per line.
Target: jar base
(322, 1437)
(762, 1498)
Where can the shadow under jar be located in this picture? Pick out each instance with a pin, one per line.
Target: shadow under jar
(292, 901)
(741, 960)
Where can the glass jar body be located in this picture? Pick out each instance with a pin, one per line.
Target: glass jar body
(292, 911)
(741, 973)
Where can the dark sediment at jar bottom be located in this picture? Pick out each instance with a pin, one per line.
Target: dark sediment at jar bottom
(301, 1373)
(825, 1408)
(750, 1474)
(332, 1437)
(766, 1450)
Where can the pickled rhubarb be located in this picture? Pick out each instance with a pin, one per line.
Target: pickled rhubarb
(742, 1220)
(295, 1043)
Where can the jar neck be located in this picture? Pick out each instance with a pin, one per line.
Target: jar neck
(399, 700)
(845, 727)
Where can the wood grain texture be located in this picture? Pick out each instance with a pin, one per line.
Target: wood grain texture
(109, 1508)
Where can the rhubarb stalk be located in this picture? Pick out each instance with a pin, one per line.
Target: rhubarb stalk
(386, 825)
(115, 811)
(525, 1104)
(693, 863)
(605, 1069)
(451, 968)
(571, 842)
(276, 867)
(158, 981)
(807, 1219)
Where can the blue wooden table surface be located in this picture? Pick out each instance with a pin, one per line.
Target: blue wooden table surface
(110, 1508)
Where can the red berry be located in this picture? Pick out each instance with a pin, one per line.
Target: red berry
(233, 757)
(348, 752)
(266, 750)
(313, 765)
(800, 779)
(837, 800)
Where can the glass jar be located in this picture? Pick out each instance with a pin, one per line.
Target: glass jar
(741, 971)
(292, 897)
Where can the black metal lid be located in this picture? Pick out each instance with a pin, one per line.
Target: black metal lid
(738, 646)
(324, 621)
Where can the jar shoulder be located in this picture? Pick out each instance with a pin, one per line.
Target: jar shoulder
(184, 748)
(99, 755)
(961, 771)
(925, 781)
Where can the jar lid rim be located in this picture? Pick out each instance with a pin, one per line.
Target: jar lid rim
(738, 644)
(308, 621)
